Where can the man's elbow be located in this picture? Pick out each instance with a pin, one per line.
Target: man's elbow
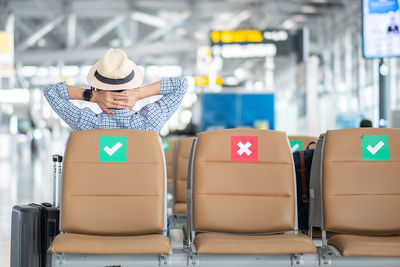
(47, 91)
(183, 85)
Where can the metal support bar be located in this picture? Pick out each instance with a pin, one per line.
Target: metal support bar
(160, 32)
(71, 31)
(103, 30)
(384, 94)
(43, 30)
(10, 23)
(90, 54)
(148, 19)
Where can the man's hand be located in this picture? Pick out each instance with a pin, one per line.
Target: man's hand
(132, 96)
(109, 99)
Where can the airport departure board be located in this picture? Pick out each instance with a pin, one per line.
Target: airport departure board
(381, 28)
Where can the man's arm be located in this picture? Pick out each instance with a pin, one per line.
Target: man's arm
(104, 99)
(155, 115)
(58, 97)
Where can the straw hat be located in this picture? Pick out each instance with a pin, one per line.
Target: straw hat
(115, 71)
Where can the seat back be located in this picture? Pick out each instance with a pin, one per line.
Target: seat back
(243, 182)
(181, 167)
(170, 145)
(121, 194)
(302, 141)
(360, 182)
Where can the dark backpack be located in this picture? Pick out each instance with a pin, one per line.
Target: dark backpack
(302, 162)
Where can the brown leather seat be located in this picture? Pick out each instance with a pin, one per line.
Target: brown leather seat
(360, 196)
(119, 202)
(243, 184)
(181, 170)
(305, 140)
(170, 152)
(89, 244)
(368, 246)
(263, 244)
(179, 208)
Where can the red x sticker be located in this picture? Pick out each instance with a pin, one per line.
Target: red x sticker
(244, 148)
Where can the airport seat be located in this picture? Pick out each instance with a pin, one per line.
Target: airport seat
(360, 192)
(367, 246)
(210, 243)
(170, 144)
(241, 196)
(181, 170)
(94, 244)
(114, 202)
(305, 140)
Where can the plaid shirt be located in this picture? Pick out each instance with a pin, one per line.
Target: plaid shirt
(151, 117)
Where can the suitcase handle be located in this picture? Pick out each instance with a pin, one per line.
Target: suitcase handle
(57, 158)
(57, 176)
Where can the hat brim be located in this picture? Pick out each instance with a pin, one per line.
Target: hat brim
(134, 83)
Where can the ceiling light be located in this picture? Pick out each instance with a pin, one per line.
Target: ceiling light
(289, 24)
(200, 35)
(320, 1)
(299, 18)
(308, 9)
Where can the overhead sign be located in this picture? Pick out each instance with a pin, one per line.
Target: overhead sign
(204, 80)
(381, 28)
(251, 43)
(6, 54)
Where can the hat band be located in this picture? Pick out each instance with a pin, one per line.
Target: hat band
(106, 80)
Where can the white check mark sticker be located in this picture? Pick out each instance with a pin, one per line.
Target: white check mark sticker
(111, 151)
(295, 147)
(375, 149)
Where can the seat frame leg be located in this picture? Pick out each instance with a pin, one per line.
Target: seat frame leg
(165, 260)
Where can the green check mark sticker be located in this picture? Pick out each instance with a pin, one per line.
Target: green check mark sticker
(165, 146)
(375, 148)
(112, 149)
(295, 145)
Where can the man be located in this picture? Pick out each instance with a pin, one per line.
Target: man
(393, 27)
(116, 87)
(115, 72)
(365, 123)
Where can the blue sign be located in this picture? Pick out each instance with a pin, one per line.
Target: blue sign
(231, 110)
(379, 6)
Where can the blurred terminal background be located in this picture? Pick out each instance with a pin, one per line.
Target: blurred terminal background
(300, 66)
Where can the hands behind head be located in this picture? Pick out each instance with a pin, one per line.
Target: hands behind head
(109, 99)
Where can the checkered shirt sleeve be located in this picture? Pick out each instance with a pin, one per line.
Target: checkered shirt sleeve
(155, 115)
(79, 119)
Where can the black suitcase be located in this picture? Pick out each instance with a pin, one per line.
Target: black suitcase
(34, 226)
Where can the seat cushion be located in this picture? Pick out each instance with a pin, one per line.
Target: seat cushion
(207, 243)
(179, 208)
(367, 246)
(91, 244)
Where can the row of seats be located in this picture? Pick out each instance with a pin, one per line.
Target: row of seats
(241, 199)
(177, 152)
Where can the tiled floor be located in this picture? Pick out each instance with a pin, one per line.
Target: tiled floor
(24, 178)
